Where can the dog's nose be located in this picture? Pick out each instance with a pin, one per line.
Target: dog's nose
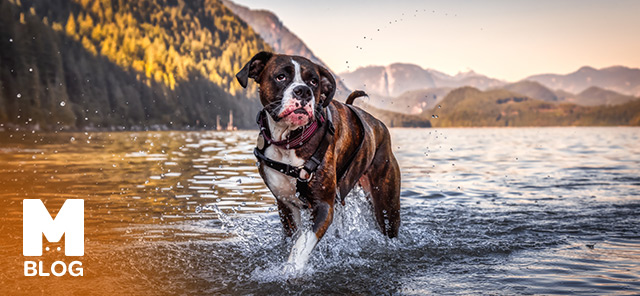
(302, 93)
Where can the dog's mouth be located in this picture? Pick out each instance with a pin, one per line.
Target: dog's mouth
(299, 111)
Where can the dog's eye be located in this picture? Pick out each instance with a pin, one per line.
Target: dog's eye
(313, 82)
(281, 78)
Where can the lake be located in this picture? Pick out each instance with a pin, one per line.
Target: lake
(484, 211)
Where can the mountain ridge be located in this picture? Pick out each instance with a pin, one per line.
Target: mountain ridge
(397, 78)
(468, 106)
(269, 26)
(621, 79)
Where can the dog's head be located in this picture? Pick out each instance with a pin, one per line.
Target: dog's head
(290, 86)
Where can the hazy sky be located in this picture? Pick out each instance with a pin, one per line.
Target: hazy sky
(503, 39)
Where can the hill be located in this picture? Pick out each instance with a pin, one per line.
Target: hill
(532, 89)
(620, 79)
(594, 96)
(415, 101)
(105, 63)
(395, 119)
(468, 106)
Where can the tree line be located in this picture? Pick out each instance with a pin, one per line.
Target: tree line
(67, 64)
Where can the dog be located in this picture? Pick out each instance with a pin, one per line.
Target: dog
(312, 150)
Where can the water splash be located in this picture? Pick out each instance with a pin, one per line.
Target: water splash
(348, 240)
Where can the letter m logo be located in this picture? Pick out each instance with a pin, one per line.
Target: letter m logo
(36, 221)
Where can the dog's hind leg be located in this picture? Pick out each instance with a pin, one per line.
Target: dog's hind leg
(383, 182)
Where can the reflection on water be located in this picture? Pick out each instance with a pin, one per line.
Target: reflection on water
(505, 211)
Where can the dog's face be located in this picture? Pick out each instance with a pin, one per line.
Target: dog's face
(290, 86)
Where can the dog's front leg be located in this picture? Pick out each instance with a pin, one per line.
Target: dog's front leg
(307, 238)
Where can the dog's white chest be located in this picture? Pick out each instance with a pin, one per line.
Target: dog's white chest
(282, 186)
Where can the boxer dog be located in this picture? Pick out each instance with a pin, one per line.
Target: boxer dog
(312, 151)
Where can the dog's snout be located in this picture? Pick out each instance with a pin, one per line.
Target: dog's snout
(302, 93)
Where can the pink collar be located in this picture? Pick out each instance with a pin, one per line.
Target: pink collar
(297, 142)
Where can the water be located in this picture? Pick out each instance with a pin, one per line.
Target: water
(484, 211)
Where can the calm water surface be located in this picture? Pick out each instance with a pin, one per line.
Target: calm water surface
(484, 211)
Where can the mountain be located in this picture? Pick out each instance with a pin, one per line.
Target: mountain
(469, 106)
(67, 64)
(279, 37)
(389, 81)
(395, 79)
(415, 101)
(461, 79)
(394, 119)
(595, 96)
(592, 96)
(620, 79)
(532, 89)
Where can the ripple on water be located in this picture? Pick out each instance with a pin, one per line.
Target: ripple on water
(522, 211)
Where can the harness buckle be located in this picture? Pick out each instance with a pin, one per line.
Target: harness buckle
(305, 180)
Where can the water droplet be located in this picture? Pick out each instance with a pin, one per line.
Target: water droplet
(19, 96)
(30, 69)
(10, 39)
(62, 104)
(439, 106)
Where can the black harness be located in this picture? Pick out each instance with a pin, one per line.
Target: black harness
(311, 164)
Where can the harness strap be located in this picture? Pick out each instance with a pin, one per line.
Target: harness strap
(284, 168)
(310, 166)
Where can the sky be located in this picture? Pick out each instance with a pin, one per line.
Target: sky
(508, 40)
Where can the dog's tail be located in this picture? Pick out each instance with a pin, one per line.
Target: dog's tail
(354, 95)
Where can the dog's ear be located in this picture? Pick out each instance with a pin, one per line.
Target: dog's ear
(253, 68)
(327, 86)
